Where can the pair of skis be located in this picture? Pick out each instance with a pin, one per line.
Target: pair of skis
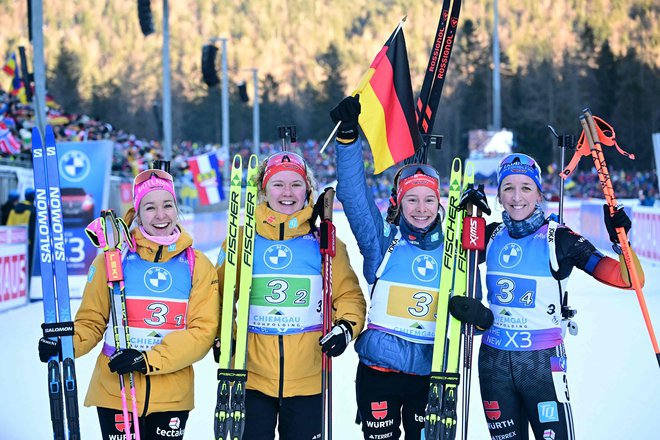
(62, 384)
(458, 277)
(110, 234)
(229, 421)
(427, 103)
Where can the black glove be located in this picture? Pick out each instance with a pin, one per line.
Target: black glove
(49, 348)
(475, 196)
(347, 111)
(619, 220)
(335, 342)
(216, 350)
(128, 360)
(470, 311)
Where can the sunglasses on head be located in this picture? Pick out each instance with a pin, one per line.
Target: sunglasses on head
(517, 159)
(284, 157)
(416, 168)
(148, 174)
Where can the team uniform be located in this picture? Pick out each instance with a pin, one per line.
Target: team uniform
(522, 360)
(402, 267)
(285, 324)
(172, 308)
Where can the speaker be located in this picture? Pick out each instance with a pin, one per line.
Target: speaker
(242, 92)
(144, 14)
(209, 74)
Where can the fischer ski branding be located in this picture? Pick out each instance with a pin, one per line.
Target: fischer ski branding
(62, 386)
(230, 405)
(441, 416)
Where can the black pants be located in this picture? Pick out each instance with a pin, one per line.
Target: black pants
(385, 399)
(299, 417)
(521, 387)
(166, 425)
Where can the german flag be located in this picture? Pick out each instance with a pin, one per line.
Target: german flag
(388, 110)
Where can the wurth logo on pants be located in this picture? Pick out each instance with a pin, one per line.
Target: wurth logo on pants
(119, 422)
(379, 410)
(492, 409)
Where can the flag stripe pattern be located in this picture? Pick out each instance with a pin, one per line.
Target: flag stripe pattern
(388, 112)
(207, 177)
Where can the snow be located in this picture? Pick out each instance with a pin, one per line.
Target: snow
(613, 374)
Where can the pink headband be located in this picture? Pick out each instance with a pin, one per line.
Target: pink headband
(153, 183)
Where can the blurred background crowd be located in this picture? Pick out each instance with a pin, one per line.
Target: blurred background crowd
(131, 155)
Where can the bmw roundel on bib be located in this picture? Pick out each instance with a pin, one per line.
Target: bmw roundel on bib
(157, 279)
(511, 255)
(277, 256)
(425, 268)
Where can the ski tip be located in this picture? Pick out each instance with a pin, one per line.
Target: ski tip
(456, 165)
(253, 162)
(469, 169)
(237, 162)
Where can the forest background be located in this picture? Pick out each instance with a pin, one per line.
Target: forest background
(557, 57)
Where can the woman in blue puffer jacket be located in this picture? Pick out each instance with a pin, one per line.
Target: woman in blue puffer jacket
(401, 265)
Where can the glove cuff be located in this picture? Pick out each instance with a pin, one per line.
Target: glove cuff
(348, 132)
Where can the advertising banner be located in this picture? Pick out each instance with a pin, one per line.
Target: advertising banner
(84, 178)
(13, 267)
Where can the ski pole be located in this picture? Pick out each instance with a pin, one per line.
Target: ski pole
(473, 239)
(594, 137)
(120, 229)
(564, 142)
(98, 234)
(328, 251)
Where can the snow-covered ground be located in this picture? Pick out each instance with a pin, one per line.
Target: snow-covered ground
(613, 375)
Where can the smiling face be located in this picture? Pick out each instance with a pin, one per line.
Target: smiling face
(158, 213)
(286, 192)
(419, 206)
(519, 195)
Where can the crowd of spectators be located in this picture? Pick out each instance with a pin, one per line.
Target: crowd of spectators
(131, 155)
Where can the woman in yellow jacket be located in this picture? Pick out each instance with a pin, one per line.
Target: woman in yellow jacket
(284, 349)
(172, 304)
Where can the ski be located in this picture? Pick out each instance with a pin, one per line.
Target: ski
(441, 416)
(62, 385)
(230, 405)
(434, 79)
(436, 71)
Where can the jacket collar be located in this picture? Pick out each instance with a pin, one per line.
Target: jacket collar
(274, 225)
(147, 249)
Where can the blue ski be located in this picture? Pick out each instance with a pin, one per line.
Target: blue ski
(54, 276)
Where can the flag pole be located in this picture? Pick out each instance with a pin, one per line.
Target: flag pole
(362, 82)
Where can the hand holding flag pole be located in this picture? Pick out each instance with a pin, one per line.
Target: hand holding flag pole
(388, 120)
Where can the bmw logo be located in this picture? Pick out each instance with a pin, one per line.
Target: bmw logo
(425, 268)
(157, 279)
(74, 165)
(277, 256)
(510, 255)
